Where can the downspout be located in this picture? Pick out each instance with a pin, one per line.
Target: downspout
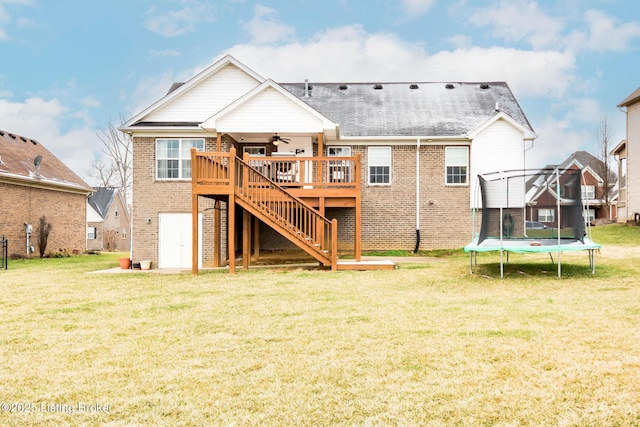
(417, 196)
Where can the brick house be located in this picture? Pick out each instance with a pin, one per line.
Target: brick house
(626, 152)
(33, 183)
(599, 204)
(108, 222)
(393, 163)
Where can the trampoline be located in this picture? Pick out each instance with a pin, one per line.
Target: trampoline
(514, 202)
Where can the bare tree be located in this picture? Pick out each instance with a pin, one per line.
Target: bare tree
(117, 166)
(605, 171)
(104, 172)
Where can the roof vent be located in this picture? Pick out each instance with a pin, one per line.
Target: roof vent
(306, 88)
(377, 87)
(343, 87)
(449, 86)
(23, 139)
(484, 86)
(413, 86)
(12, 136)
(1, 133)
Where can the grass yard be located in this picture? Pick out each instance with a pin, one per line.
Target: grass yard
(427, 344)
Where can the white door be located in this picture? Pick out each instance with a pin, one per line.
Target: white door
(174, 240)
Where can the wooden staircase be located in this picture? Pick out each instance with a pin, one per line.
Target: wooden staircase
(224, 174)
(287, 214)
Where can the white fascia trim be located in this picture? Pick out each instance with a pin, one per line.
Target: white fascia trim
(45, 184)
(526, 132)
(210, 123)
(402, 140)
(193, 81)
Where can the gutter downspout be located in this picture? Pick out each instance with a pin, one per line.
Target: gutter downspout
(417, 196)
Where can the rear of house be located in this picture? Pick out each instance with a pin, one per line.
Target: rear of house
(393, 162)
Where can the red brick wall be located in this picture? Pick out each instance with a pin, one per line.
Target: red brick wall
(65, 211)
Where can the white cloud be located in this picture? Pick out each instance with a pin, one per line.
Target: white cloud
(165, 53)
(417, 7)
(180, 21)
(266, 28)
(604, 33)
(520, 20)
(351, 54)
(43, 120)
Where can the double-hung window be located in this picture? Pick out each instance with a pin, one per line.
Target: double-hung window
(92, 233)
(379, 159)
(546, 215)
(173, 157)
(588, 192)
(456, 165)
(339, 170)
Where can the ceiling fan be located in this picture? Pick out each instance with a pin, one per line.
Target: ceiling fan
(275, 139)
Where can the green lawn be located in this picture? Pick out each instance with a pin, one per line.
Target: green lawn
(427, 344)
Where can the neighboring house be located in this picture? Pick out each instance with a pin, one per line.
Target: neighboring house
(394, 163)
(599, 204)
(108, 222)
(628, 156)
(33, 183)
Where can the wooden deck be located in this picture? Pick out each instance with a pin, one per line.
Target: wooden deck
(289, 194)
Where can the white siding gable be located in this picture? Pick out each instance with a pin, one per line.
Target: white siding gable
(498, 147)
(269, 111)
(206, 98)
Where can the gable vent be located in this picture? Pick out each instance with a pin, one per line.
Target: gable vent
(377, 87)
(413, 86)
(484, 86)
(449, 86)
(343, 87)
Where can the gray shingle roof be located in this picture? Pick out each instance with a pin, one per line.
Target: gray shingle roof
(397, 109)
(102, 199)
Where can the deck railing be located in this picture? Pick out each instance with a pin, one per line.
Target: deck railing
(309, 172)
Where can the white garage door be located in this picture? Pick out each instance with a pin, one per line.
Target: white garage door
(174, 240)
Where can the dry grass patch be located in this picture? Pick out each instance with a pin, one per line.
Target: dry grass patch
(416, 346)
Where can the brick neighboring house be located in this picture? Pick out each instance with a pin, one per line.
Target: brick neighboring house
(394, 163)
(29, 191)
(627, 153)
(108, 221)
(542, 198)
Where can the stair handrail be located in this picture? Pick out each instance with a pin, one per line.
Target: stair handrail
(289, 211)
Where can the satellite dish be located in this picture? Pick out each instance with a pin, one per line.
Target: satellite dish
(37, 161)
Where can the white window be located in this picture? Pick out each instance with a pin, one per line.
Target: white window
(256, 150)
(379, 159)
(456, 165)
(116, 211)
(623, 173)
(588, 192)
(591, 215)
(546, 215)
(92, 233)
(173, 157)
(339, 170)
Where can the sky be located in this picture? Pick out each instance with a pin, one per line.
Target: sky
(70, 68)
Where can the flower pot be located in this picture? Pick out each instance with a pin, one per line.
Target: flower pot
(125, 263)
(145, 265)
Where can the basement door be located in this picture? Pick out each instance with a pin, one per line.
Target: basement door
(174, 240)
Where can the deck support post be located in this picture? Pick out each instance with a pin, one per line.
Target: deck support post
(194, 234)
(231, 232)
(256, 238)
(217, 233)
(246, 239)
